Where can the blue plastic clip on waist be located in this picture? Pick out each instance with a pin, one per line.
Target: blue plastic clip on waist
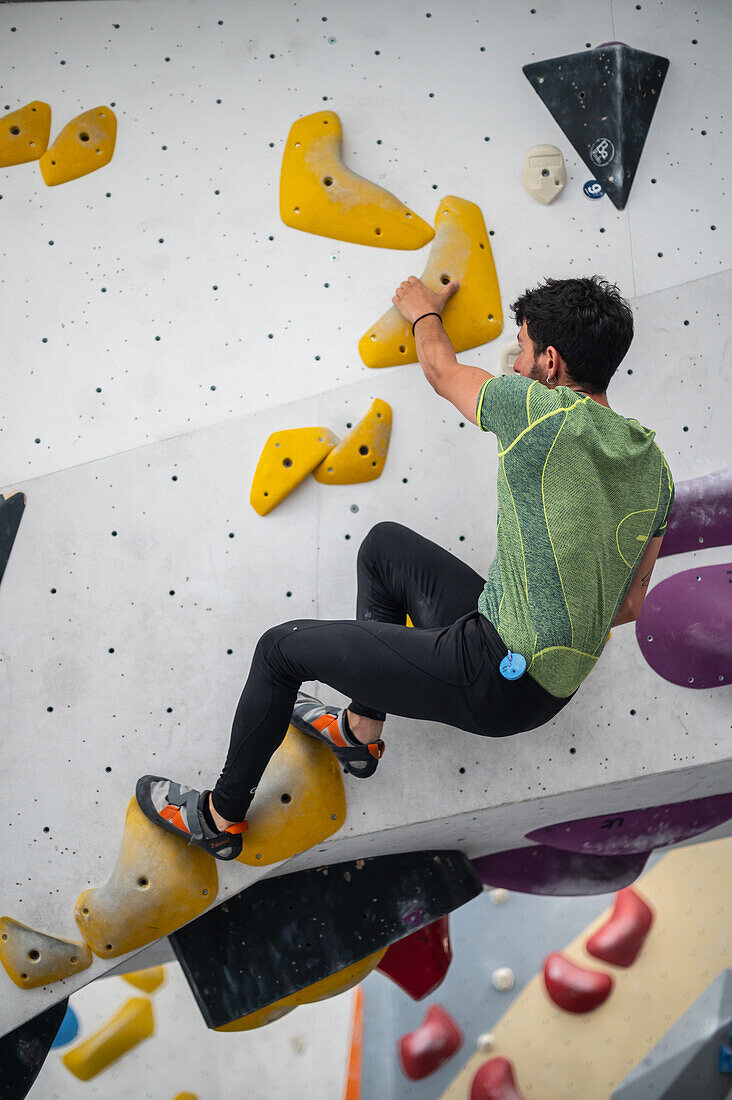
(512, 666)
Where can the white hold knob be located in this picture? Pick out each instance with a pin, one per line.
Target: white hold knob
(503, 978)
(485, 1041)
(499, 896)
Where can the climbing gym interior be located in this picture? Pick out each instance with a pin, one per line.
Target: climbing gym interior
(208, 401)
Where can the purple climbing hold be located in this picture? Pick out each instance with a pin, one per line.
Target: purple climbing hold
(685, 627)
(701, 515)
(544, 870)
(629, 832)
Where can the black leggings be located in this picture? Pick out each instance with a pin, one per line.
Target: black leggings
(444, 669)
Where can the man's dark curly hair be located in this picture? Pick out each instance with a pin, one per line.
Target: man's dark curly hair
(586, 320)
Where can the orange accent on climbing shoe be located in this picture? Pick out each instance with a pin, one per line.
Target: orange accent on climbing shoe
(173, 815)
(326, 723)
(354, 1070)
(239, 827)
(377, 749)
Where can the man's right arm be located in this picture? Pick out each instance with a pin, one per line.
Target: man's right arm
(634, 597)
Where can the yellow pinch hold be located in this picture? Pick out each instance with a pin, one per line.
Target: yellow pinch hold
(286, 459)
(85, 144)
(319, 991)
(129, 1026)
(362, 454)
(158, 884)
(24, 134)
(147, 980)
(299, 802)
(461, 251)
(32, 958)
(186, 1096)
(319, 194)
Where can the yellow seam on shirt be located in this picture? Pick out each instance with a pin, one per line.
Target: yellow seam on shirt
(518, 528)
(570, 649)
(481, 395)
(528, 394)
(546, 416)
(546, 522)
(617, 529)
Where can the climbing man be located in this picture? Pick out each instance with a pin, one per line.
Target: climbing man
(583, 497)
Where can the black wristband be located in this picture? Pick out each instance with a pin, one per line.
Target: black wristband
(423, 317)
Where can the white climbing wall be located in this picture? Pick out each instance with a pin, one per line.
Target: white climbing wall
(160, 322)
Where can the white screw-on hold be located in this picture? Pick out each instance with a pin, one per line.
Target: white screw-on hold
(499, 896)
(485, 1041)
(503, 978)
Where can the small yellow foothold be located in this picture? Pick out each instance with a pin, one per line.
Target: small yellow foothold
(286, 460)
(147, 980)
(85, 144)
(320, 195)
(24, 134)
(186, 1096)
(299, 802)
(409, 621)
(128, 1027)
(34, 958)
(362, 454)
(461, 252)
(158, 883)
(319, 991)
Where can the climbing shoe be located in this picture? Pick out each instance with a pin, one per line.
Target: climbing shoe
(330, 726)
(179, 809)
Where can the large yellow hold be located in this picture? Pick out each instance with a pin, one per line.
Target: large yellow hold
(85, 144)
(24, 134)
(128, 1027)
(158, 884)
(461, 251)
(34, 958)
(320, 195)
(299, 802)
(362, 454)
(286, 460)
(319, 991)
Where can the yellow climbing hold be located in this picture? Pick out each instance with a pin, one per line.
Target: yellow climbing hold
(319, 991)
(320, 195)
(85, 144)
(34, 958)
(158, 883)
(286, 460)
(186, 1096)
(362, 454)
(409, 621)
(24, 134)
(299, 802)
(147, 980)
(128, 1027)
(461, 251)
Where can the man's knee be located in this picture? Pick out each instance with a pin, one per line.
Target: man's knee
(272, 637)
(381, 540)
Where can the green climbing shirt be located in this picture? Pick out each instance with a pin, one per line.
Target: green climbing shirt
(581, 490)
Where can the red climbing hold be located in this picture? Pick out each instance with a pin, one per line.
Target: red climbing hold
(495, 1081)
(423, 1051)
(419, 962)
(620, 939)
(572, 987)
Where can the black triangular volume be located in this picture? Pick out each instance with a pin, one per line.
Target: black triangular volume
(604, 100)
(11, 513)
